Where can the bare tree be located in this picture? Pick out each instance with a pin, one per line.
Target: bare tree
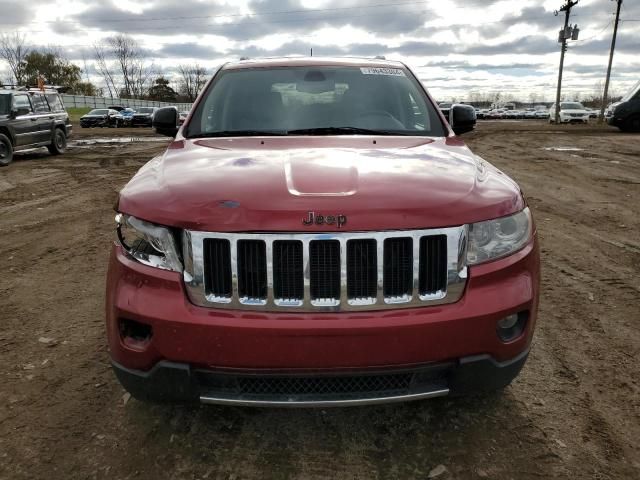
(13, 50)
(105, 70)
(193, 78)
(132, 65)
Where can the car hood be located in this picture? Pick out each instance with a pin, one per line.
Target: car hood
(573, 110)
(92, 116)
(271, 183)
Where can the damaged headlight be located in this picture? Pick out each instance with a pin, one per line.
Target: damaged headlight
(498, 238)
(148, 243)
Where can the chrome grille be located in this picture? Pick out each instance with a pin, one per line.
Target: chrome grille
(348, 271)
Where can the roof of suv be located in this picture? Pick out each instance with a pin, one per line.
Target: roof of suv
(312, 61)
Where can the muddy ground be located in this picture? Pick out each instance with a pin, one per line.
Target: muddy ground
(573, 413)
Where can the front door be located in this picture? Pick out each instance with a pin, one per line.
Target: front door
(45, 119)
(26, 124)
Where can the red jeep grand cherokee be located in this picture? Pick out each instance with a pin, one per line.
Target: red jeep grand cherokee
(316, 234)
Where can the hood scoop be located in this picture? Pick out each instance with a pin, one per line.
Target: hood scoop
(336, 176)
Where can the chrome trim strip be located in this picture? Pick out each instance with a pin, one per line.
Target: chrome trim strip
(456, 271)
(322, 403)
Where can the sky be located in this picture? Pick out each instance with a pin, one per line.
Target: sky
(456, 47)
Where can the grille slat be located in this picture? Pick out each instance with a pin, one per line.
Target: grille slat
(398, 267)
(324, 261)
(288, 270)
(362, 269)
(252, 269)
(217, 273)
(433, 264)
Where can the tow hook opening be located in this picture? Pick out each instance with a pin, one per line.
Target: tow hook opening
(512, 326)
(135, 335)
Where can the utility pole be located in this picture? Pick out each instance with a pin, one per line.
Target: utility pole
(565, 34)
(613, 47)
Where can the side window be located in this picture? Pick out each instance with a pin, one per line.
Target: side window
(21, 101)
(55, 102)
(40, 104)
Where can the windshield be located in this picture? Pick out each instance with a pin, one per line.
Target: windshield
(5, 104)
(314, 101)
(634, 92)
(98, 112)
(571, 106)
(145, 110)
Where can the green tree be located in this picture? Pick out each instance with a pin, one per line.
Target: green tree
(161, 91)
(55, 69)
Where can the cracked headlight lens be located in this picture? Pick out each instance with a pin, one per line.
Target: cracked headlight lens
(498, 238)
(148, 243)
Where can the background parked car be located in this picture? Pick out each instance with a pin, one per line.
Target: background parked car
(570, 112)
(143, 117)
(182, 117)
(124, 117)
(100, 117)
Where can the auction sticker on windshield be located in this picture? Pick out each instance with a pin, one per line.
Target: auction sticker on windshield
(397, 72)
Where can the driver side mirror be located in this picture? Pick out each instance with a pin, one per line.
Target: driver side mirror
(165, 121)
(462, 118)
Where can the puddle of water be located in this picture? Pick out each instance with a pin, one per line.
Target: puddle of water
(98, 141)
(563, 149)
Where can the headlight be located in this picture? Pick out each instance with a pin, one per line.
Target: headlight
(497, 238)
(149, 244)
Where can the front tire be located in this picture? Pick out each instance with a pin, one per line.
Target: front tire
(6, 151)
(59, 143)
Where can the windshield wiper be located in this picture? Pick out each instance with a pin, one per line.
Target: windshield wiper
(343, 131)
(239, 133)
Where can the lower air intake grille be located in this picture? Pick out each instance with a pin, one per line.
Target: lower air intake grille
(323, 385)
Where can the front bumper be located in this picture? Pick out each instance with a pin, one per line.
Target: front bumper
(199, 339)
(141, 121)
(177, 382)
(568, 119)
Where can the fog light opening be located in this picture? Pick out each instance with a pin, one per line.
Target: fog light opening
(134, 334)
(512, 326)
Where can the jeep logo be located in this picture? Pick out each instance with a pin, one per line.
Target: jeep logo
(313, 217)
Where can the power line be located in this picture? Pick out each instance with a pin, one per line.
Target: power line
(232, 15)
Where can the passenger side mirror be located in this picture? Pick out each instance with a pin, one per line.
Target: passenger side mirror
(462, 118)
(165, 121)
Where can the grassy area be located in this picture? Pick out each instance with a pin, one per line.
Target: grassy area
(76, 113)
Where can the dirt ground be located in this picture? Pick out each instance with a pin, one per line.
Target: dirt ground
(573, 413)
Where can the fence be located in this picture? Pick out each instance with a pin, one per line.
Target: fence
(72, 101)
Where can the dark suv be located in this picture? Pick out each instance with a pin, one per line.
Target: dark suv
(32, 118)
(143, 117)
(625, 114)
